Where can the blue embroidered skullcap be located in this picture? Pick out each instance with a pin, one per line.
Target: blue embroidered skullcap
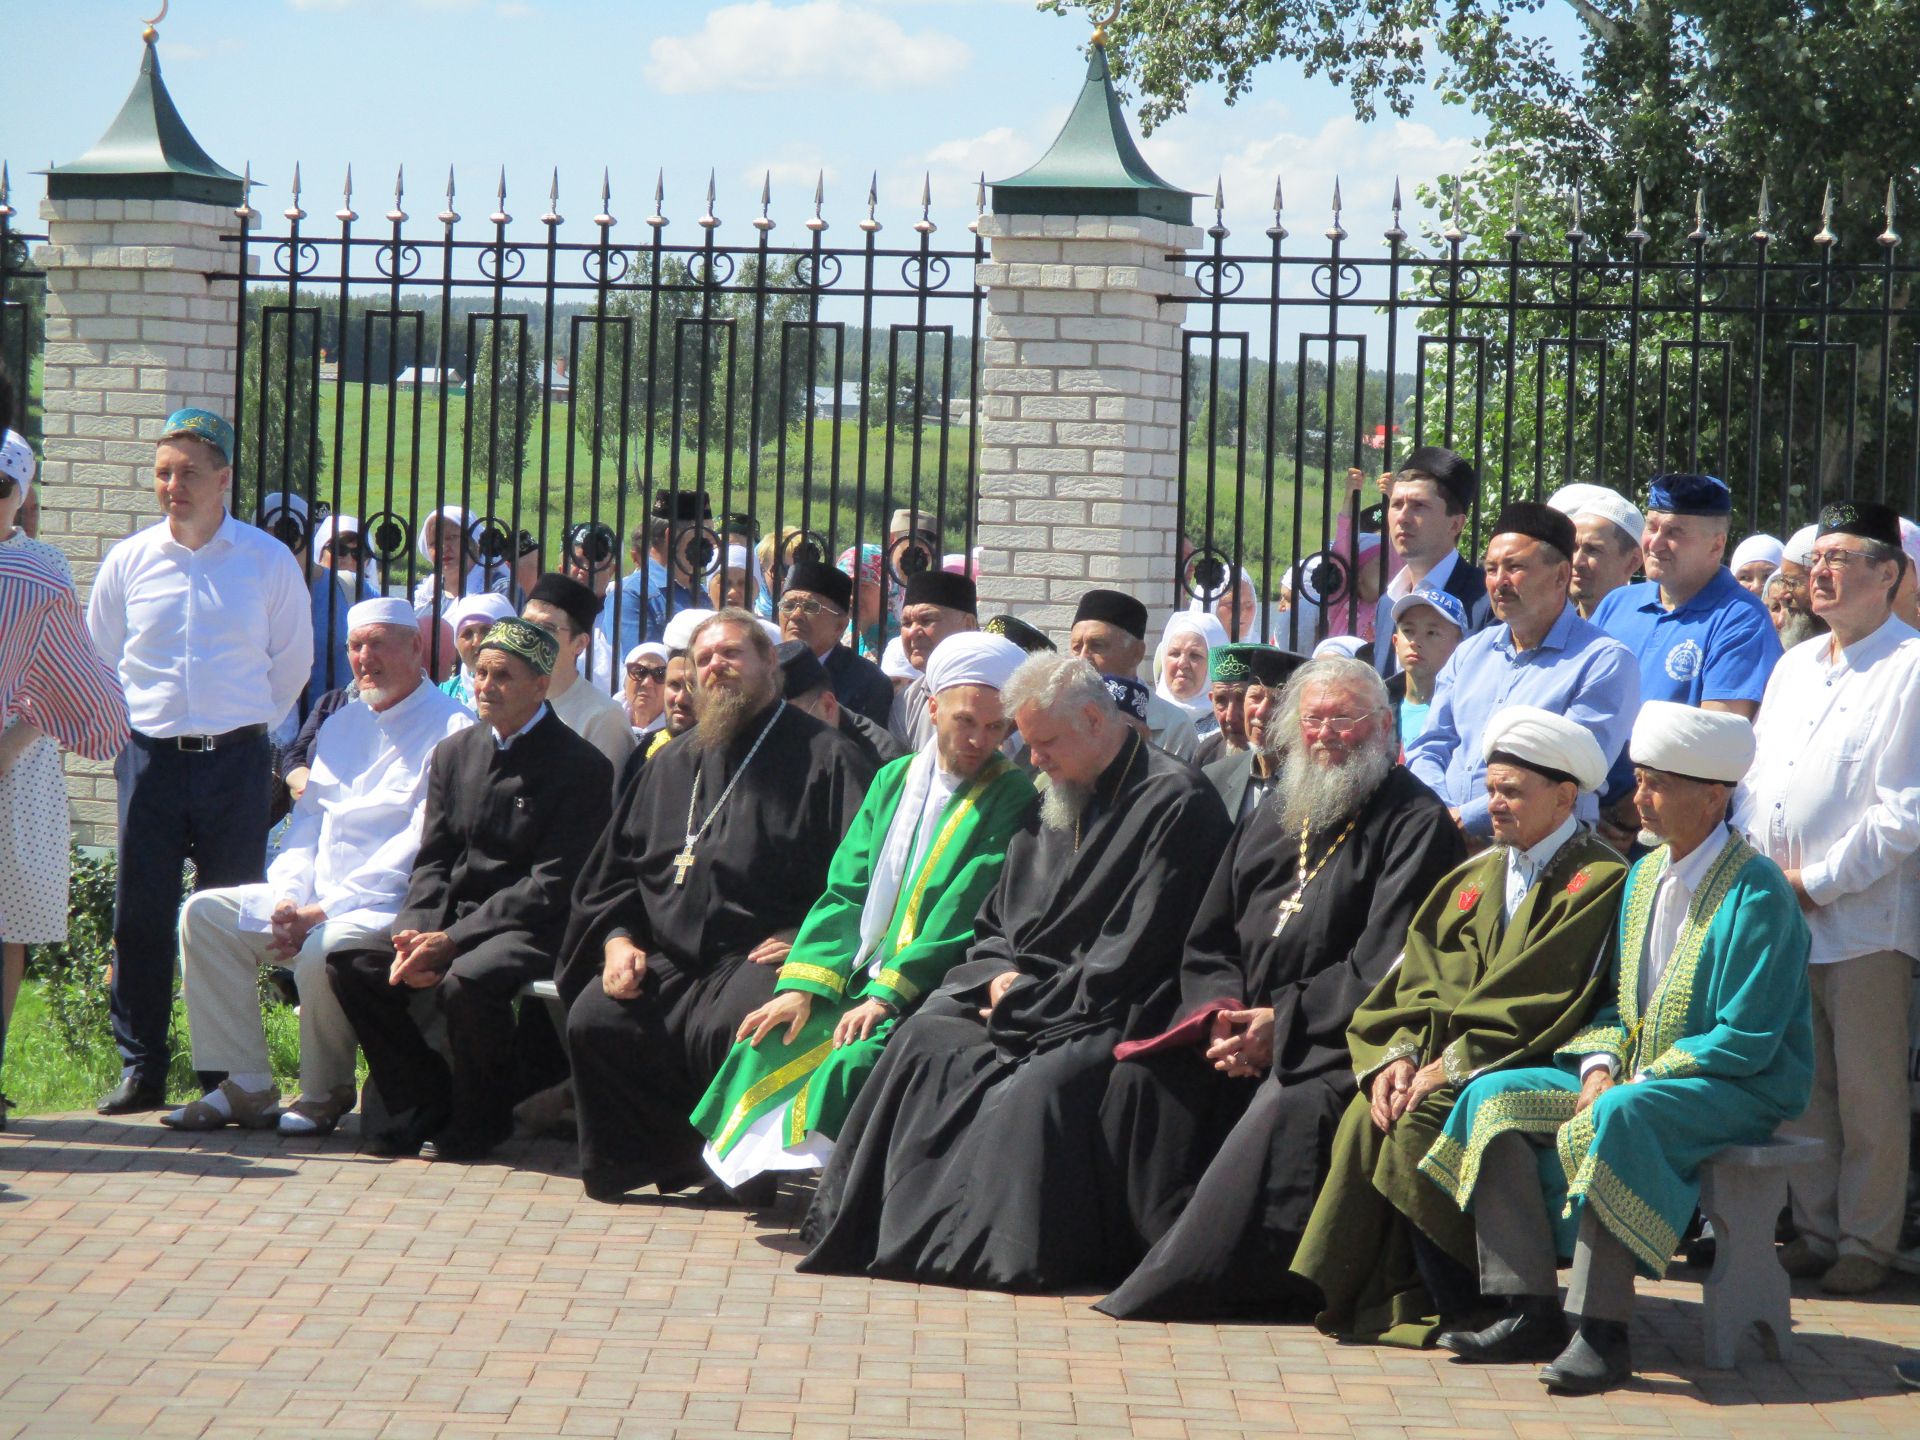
(1689, 495)
(1129, 694)
(201, 425)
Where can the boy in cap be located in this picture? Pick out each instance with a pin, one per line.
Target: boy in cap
(1428, 626)
(208, 622)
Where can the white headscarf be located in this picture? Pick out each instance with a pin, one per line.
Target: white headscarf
(1211, 632)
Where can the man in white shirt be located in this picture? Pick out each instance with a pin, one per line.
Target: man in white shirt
(207, 621)
(338, 880)
(1834, 799)
(565, 609)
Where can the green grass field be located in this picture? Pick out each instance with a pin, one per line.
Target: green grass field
(792, 488)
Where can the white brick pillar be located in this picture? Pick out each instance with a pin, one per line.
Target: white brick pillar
(137, 327)
(1080, 411)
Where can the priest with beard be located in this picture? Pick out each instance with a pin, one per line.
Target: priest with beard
(969, 1155)
(690, 903)
(1502, 963)
(1220, 1129)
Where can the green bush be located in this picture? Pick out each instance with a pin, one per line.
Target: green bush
(74, 975)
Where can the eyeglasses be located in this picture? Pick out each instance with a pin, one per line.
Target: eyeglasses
(1839, 558)
(806, 605)
(656, 673)
(1343, 724)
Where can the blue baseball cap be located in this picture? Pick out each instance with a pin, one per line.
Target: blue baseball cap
(1450, 608)
(201, 425)
(1689, 495)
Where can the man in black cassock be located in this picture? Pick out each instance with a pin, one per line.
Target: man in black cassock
(513, 806)
(1219, 1129)
(690, 902)
(969, 1157)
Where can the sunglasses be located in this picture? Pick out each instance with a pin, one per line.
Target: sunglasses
(7, 486)
(656, 673)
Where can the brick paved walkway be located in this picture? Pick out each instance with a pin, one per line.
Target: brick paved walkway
(154, 1284)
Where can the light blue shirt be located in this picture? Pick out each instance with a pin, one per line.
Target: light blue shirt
(1524, 866)
(650, 602)
(1575, 671)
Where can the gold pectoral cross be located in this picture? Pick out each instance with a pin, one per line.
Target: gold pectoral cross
(1289, 907)
(682, 863)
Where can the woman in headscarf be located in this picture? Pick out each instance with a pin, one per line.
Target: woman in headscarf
(1180, 666)
(872, 623)
(738, 584)
(646, 689)
(446, 544)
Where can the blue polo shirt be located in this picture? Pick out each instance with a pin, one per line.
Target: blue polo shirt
(1575, 671)
(1720, 645)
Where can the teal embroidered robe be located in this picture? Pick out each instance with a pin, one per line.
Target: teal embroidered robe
(1723, 1055)
(810, 1080)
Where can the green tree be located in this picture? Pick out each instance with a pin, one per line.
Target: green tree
(280, 449)
(503, 395)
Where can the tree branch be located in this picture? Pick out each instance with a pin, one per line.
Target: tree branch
(1597, 20)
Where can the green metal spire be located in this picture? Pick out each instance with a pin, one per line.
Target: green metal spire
(1094, 168)
(146, 154)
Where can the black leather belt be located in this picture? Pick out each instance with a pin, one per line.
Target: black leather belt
(199, 744)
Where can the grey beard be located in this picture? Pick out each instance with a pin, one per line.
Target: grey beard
(1800, 627)
(1324, 796)
(1062, 802)
(722, 714)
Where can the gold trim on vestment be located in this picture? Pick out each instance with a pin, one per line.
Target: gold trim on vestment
(769, 1085)
(814, 974)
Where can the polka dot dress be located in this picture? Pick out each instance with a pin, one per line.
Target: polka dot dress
(35, 831)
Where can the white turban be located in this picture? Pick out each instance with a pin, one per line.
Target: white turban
(1573, 501)
(972, 658)
(1552, 742)
(1697, 744)
(677, 634)
(383, 610)
(1756, 548)
(333, 525)
(481, 605)
(894, 663)
(1799, 547)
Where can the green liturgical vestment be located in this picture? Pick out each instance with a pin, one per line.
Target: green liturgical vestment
(1478, 993)
(1721, 1055)
(781, 1097)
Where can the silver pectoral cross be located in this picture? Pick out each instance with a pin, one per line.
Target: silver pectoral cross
(1289, 907)
(682, 863)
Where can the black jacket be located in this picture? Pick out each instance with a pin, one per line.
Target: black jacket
(859, 685)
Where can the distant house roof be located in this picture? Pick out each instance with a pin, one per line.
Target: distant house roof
(427, 375)
(823, 397)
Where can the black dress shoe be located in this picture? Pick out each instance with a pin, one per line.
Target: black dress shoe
(465, 1142)
(1597, 1358)
(408, 1132)
(1535, 1330)
(132, 1095)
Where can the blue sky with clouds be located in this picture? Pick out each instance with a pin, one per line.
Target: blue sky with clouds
(901, 87)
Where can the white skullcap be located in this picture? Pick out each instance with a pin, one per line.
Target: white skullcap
(276, 503)
(1576, 500)
(1697, 744)
(972, 658)
(1341, 647)
(894, 663)
(382, 610)
(768, 628)
(677, 634)
(1910, 539)
(333, 525)
(646, 650)
(1799, 547)
(737, 558)
(1756, 548)
(1553, 742)
(481, 605)
(16, 459)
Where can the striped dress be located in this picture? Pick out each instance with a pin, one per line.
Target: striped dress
(50, 676)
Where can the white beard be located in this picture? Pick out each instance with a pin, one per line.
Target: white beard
(1325, 796)
(1061, 804)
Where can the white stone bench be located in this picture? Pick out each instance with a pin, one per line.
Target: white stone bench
(1742, 1191)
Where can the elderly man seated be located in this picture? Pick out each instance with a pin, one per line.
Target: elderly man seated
(1502, 963)
(337, 881)
(513, 808)
(1706, 1042)
(1110, 633)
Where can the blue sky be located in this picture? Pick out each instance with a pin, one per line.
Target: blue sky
(902, 87)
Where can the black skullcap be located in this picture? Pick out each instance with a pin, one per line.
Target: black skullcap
(830, 583)
(941, 587)
(800, 669)
(1009, 627)
(682, 505)
(1537, 522)
(1447, 470)
(1868, 519)
(739, 522)
(567, 594)
(1115, 607)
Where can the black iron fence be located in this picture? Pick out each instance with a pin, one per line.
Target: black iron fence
(788, 397)
(1542, 359)
(22, 314)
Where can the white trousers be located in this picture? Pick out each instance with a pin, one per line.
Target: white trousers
(221, 963)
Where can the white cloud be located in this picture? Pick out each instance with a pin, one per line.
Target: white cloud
(792, 180)
(760, 46)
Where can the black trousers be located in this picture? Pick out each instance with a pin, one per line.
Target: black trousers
(475, 996)
(209, 807)
(641, 1065)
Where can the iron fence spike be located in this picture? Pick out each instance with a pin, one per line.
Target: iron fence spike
(6, 183)
(1765, 210)
(710, 191)
(399, 183)
(1515, 231)
(345, 214)
(501, 193)
(1826, 236)
(293, 212)
(1279, 199)
(819, 190)
(926, 190)
(980, 194)
(1889, 237)
(1396, 198)
(449, 184)
(766, 191)
(553, 190)
(1336, 231)
(659, 187)
(1219, 194)
(296, 182)
(245, 208)
(870, 225)
(347, 193)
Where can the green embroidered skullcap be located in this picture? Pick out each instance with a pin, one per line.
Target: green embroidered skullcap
(1247, 664)
(528, 641)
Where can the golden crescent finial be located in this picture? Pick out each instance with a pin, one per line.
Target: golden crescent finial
(1100, 27)
(150, 34)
